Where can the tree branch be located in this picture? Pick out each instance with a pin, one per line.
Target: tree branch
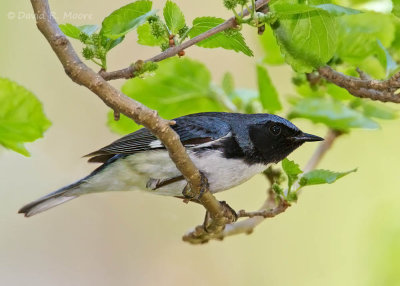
(364, 87)
(228, 24)
(271, 207)
(221, 216)
(120, 103)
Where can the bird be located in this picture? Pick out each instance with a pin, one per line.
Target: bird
(227, 148)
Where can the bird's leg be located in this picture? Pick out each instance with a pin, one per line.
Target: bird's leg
(187, 191)
(229, 213)
(154, 184)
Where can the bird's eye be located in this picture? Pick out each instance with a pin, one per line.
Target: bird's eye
(275, 130)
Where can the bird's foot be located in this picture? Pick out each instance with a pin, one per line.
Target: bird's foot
(229, 213)
(152, 184)
(187, 191)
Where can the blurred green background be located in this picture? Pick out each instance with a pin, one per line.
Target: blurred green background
(342, 234)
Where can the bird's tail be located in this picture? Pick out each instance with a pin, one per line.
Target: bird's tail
(51, 200)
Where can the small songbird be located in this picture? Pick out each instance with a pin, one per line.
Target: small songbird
(228, 148)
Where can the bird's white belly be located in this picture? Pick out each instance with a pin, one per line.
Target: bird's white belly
(133, 172)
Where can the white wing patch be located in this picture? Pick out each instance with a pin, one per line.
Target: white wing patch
(156, 144)
(214, 142)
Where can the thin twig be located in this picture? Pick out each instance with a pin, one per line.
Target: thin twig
(363, 75)
(228, 24)
(280, 208)
(364, 87)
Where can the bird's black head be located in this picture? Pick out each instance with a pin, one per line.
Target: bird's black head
(275, 138)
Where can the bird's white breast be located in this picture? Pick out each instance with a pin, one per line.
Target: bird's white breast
(224, 173)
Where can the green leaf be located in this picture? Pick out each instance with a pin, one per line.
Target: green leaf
(228, 84)
(109, 44)
(292, 171)
(338, 92)
(88, 29)
(396, 8)
(21, 117)
(247, 100)
(173, 17)
(277, 189)
(70, 30)
(246, 95)
(337, 10)
(126, 18)
(352, 2)
(292, 197)
(395, 45)
(318, 177)
(268, 95)
(288, 8)
(385, 58)
(378, 110)
(308, 40)
(228, 39)
(145, 36)
(282, 8)
(313, 2)
(358, 34)
(179, 87)
(307, 90)
(272, 51)
(332, 113)
(73, 31)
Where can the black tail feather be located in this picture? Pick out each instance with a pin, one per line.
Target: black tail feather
(51, 200)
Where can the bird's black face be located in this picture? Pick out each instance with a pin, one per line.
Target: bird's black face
(274, 141)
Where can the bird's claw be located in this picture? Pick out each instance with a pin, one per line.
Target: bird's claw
(229, 212)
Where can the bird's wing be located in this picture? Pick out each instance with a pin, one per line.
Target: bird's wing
(192, 130)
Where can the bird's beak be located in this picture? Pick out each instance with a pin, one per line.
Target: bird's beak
(305, 137)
